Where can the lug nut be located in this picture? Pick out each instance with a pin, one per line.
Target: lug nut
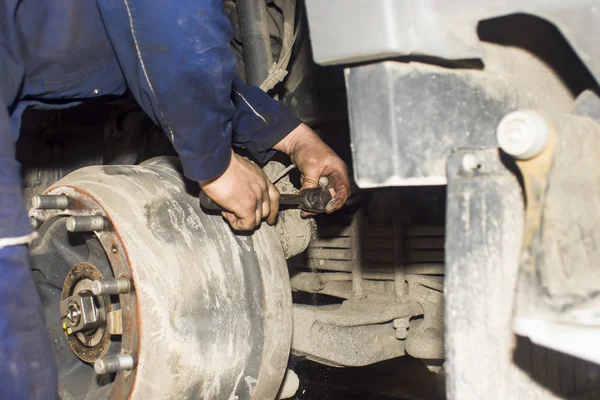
(74, 314)
(50, 202)
(85, 223)
(112, 364)
(111, 286)
(523, 134)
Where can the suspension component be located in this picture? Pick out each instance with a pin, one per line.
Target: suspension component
(79, 313)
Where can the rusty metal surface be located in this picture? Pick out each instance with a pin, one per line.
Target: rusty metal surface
(85, 352)
(211, 311)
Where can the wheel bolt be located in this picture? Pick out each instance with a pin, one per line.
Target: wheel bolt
(73, 314)
(112, 364)
(85, 223)
(35, 223)
(50, 202)
(111, 286)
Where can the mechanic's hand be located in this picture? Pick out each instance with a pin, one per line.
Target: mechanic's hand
(315, 159)
(246, 194)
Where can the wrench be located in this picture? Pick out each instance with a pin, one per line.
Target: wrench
(311, 200)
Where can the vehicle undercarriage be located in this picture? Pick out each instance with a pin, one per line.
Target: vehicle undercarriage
(476, 262)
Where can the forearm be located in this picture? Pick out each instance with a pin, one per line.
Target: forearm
(259, 122)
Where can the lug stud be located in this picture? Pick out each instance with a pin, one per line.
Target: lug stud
(85, 223)
(112, 364)
(50, 202)
(111, 286)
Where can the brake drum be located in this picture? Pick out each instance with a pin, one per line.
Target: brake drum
(208, 315)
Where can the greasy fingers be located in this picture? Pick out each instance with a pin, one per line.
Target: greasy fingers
(266, 205)
(309, 182)
(240, 224)
(341, 185)
(274, 204)
(334, 169)
(316, 160)
(243, 193)
(231, 218)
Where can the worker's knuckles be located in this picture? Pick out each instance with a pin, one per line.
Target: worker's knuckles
(246, 205)
(266, 209)
(274, 198)
(246, 224)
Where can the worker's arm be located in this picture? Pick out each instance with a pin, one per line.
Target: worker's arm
(178, 64)
(259, 121)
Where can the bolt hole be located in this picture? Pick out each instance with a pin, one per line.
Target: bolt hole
(113, 249)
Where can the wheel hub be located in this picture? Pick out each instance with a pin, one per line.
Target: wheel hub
(83, 315)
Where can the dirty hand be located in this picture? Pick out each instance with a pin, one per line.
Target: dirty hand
(315, 159)
(245, 193)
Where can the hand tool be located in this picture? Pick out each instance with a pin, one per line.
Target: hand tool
(311, 200)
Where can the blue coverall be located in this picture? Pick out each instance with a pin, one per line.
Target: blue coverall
(175, 58)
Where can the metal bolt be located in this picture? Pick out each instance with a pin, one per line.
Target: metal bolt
(35, 223)
(85, 223)
(50, 202)
(111, 286)
(80, 312)
(73, 314)
(401, 325)
(470, 162)
(523, 134)
(112, 364)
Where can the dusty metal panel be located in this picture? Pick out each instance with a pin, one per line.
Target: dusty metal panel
(375, 29)
(406, 118)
